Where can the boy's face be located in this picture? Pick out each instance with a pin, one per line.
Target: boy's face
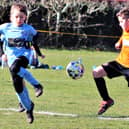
(17, 17)
(124, 23)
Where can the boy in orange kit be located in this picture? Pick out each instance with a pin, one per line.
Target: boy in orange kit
(117, 67)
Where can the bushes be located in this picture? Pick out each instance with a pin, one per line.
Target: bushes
(88, 21)
(84, 24)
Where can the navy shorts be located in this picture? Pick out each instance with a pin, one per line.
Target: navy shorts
(114, 69)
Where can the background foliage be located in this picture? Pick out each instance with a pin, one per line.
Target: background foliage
(93, 24)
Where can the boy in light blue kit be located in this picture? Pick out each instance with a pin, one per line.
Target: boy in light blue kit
(17, 38)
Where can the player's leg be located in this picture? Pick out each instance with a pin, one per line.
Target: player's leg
(28, 76)
(99, 73)
(111, 69)
(126, 74)
(23, 96)
(20, 107)
(21, 63)
(127, 79)
(33, 60)
(27, 104)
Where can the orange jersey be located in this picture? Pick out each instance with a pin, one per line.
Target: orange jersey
(123, 57)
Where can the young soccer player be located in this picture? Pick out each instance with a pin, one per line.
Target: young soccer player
(17, 37)
(117, 67)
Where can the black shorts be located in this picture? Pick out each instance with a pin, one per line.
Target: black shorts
(114, 69)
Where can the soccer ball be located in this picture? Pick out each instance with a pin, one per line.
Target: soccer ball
(75, 69)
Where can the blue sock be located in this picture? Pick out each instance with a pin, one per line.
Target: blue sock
(27, 76)
(24, 99)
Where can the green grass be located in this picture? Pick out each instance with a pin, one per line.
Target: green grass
(64, 95)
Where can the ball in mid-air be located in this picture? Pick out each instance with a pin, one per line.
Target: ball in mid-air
(75, 69)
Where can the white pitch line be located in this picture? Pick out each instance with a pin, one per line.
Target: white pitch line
(42, 112)
(113, 118)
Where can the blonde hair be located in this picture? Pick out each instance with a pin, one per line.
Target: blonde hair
(20, 7)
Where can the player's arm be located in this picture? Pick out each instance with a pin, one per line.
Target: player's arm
(34, 44)
(118, 45)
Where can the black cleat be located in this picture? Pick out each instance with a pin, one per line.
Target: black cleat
(30, 117)
(21, 108)
(38, 90)
(105, 105)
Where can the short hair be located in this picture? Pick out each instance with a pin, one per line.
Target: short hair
(20, 7)
(123, 13)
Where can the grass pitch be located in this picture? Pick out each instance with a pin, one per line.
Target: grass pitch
(66, 96)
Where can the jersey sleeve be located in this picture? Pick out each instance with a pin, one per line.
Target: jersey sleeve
(33, 31)
(3, 28)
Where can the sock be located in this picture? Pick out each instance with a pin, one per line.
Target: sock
(127, 79)
(24, 99)
(101, 86)
(28, 76)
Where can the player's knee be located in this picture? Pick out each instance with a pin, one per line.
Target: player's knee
(24, 61)
(14, 69)
(95, 74)
(99, 72)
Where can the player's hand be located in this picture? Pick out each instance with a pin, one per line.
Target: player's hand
(118, 46)
(42, 56)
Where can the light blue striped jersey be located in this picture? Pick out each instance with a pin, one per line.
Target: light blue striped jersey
(9, 31)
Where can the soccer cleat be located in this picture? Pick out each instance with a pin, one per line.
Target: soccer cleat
(105, 105)
(38, 90)
(30, 117)
(21, 108)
